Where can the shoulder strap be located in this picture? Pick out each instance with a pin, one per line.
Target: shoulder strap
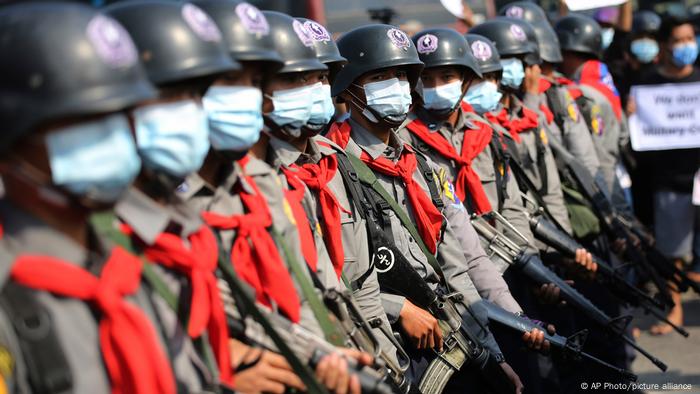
(330, 330)
(368, 177)
(430, 180)
(47, 366)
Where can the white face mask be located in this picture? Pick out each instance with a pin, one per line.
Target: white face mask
(442, 97)
(389, 98)
(292, 108)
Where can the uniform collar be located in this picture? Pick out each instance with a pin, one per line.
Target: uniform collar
(149, 219)
(194, 185)
(375, 147)
(24, 233)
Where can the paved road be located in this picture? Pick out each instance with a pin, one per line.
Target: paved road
(681, 354)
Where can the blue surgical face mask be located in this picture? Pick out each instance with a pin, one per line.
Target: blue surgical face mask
(607, 34)
(292, 108)
(389, 99)
(685, 54)
(323, 109)
(96, 159)
(513, 73)
(172, 138)
(483, 97)
(644, 49)
(235, 117)
(443, 97)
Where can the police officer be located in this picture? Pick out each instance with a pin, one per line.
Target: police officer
(521, 73)
(563, 120)
(243, 199)
(439, 128)
(376, 84)
(74, 315)
(314, 160)
(172, 136)
(579, 39)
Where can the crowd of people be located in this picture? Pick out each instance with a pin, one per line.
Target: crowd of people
(207, 197)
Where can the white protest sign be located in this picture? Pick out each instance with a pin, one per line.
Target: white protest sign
(667, 116)
(580, 5)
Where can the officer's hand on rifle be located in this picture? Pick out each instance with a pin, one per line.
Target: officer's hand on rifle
(332, 371)
(531, 83)
(535, 339)
(548, 293)
(262, 371)
(420, 327)
(585, 262)
(514, 378)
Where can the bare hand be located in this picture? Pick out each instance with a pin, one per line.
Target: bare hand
(270, 374)
(514, 378)
(548, 293)
(535, 339)
(332, 371)
(585, 262)
(420, 327)
(631, 106)
(531, 83)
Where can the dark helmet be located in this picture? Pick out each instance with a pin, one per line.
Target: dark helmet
(578, 33)
(245, 30)
(293, 42)
(373, 47)
(645, 22)
(512, 37)
(546, 37)
(63, 60)
(444, 47)
(487, 58)
(326, 49)
(176, 41)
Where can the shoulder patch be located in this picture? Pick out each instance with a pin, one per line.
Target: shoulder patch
(7, 365)
(571, 107)
(288, 211)
(448, 190)
(597, 124)
(543, 137)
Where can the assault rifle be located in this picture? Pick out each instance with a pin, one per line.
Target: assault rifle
(532, 267)
(570, 347)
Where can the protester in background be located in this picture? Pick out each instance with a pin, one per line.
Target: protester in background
(672, 176)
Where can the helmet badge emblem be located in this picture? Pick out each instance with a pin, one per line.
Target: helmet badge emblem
(318, 32)
(252, 19)
(481, 50)
(303, 34)
(518, 32)
(111, 41)
(398, 38)
(515, 12)
(427, 44)
(202, 25)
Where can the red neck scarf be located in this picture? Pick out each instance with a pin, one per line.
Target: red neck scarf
(526, 122)
(317, 177)
(475, 141)
(596, 75)
(131, 349)
(544, 85)
(428, 217)
(198, 262)
(295, 196)
(254, 253)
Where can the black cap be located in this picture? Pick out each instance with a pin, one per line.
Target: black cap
(294, 43)
(485, 53)
(579, 33)
(546, 37)
(63, 60)
(176, 41)
(645, 22)
(245, 31)
(373, 47)
(444, 47)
